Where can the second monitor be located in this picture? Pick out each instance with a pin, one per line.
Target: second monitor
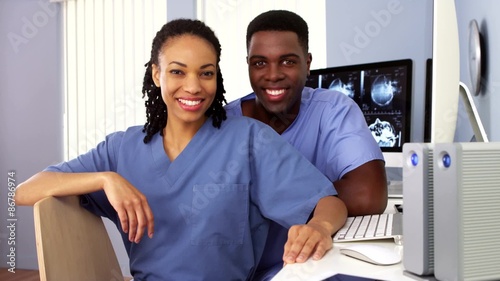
(382, 90)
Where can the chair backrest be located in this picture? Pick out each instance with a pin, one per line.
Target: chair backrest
(72, 243)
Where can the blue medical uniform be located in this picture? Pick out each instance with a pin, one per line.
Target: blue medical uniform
(213, 204)
(331, 132)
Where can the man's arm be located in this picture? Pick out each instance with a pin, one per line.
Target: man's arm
(364, 189)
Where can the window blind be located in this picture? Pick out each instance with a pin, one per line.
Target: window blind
(106, 44)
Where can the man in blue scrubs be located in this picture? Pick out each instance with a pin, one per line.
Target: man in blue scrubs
(327, 127)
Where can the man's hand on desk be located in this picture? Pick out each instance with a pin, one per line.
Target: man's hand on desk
(311, 239)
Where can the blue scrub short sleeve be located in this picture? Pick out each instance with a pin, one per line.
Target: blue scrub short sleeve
(287, 185)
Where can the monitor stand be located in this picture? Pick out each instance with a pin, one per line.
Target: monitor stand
(475, 120)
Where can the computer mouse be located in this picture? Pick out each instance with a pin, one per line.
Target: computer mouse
(374, 254)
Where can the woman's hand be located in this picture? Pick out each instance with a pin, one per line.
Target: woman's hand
(131, 205)
(312, 239)
(315, 238)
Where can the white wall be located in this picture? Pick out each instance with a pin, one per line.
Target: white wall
(31, 100)
(381, 31)
(485, 13)
(407, 33)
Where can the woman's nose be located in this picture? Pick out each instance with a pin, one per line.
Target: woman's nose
(192, 84)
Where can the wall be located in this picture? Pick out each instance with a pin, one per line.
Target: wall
(484, 12)
(177, 9)
(381, 31)
(31, 106)
(396, 29)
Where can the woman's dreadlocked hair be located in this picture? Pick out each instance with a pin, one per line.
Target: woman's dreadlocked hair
(156, 110)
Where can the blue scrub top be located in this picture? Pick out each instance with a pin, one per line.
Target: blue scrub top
(213, 204)
(331, 132)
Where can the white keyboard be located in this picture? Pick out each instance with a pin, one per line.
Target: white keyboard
(371, 227)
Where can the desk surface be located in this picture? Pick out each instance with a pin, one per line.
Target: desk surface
(334, 262)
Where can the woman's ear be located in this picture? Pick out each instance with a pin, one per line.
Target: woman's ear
(156, 74)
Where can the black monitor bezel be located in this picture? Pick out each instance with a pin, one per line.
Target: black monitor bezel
(408, 63)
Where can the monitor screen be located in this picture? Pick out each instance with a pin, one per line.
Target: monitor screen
(383, 92)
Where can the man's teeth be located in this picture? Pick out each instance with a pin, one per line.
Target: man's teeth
(190, 102)
(275, 92)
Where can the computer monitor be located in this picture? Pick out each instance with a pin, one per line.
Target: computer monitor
(445, 67)
(382, 90)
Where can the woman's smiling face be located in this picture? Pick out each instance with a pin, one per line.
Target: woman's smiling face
(187, 77)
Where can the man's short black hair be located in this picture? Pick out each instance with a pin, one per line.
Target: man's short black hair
(280, 20)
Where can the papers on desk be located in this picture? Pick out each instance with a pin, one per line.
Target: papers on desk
(310, 270)
(336, 266)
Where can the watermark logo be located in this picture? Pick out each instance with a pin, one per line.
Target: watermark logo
(363, 36)
(224, 6)
(31, 26)
(11, 221)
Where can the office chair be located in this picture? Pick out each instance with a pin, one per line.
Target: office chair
(72, 243)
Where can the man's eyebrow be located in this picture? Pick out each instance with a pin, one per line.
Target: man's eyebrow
(257, 57)
(281, 57)
(289, 55)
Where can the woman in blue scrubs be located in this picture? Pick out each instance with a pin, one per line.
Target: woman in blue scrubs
(201, 186)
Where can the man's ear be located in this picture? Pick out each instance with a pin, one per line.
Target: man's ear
(155, 73)
(309, 60)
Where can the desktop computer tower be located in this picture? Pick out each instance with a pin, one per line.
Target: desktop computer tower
(466, 211)
(418, 233)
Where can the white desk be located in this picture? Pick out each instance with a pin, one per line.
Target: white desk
(334, 262)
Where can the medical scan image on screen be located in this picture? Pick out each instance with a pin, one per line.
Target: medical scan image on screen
(381, 90)
(346, 83)
(381, 103)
